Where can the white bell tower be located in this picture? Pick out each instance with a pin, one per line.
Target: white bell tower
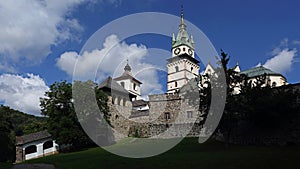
(182, 66)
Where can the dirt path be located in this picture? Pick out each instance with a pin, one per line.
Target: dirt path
(33, 166)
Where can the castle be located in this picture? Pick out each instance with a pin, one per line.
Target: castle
(132, 116)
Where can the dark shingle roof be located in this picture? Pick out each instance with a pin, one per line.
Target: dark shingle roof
(127, 76)
(183, 56)
(32, 137)
(109, 83)
(137, 103)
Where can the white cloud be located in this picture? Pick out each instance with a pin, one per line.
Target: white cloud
(282, 60)
(110, 60)
(22, 93)
(30, 27)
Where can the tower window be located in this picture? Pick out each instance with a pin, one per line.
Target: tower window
(122, 84)
(176, 68)
(134, 86)
(175, 84)
(189, 114)
(167, 116)
(192, 69)
(183, 49)
(274, 84)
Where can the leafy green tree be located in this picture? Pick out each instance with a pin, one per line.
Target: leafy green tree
(62, 120)
(258, 110)
(7, 137)
(35, 126)
(231, 113)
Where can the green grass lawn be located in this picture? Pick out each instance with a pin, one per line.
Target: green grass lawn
(188, 154)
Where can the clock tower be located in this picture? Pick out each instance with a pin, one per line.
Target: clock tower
(182, 66)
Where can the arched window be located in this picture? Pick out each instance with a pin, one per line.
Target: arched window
(124, 102)
(113, 99)
(175, 84)
(183, 49)
(176, 68)
(119, 101)
(192, 69)
(48, 144)
(208, 71)
(167, 116)
(30, 149)
(274, 84)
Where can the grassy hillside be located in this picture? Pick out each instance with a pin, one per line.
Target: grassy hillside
(188, 154)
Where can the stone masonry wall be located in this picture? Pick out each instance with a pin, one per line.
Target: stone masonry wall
(179, 124)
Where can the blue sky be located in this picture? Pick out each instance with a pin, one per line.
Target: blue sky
(39, 39)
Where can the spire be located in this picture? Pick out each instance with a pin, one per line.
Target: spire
(182, 16)
(192, 41)
(173, 37)
(182, 26)
(127, 68)
(182, 36)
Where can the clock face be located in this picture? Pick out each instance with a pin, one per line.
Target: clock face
(177, 51)
(190, 52)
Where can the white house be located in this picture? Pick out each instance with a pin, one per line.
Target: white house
(35, 145)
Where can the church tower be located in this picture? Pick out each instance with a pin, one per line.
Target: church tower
(129, 83)
(182, 66)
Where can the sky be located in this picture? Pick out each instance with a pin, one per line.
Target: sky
(44, 41)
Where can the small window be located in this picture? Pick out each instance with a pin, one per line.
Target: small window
(274, 84)
(176, 68)
(122, 84)
(190, 114)
(167, 116)
(175, 84)
(192, 69)
(183, 49)
(134, 86)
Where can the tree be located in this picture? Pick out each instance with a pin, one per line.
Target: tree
(35, 126)
(7, 137)
(258, 111)
(62, 121)
(231, 114)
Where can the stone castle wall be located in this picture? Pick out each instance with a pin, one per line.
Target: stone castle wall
(177, 124)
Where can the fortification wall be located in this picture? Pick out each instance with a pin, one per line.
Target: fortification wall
(168, 112)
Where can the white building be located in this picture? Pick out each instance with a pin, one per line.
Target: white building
(35, 145)
(129, 83)
(273, 79)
